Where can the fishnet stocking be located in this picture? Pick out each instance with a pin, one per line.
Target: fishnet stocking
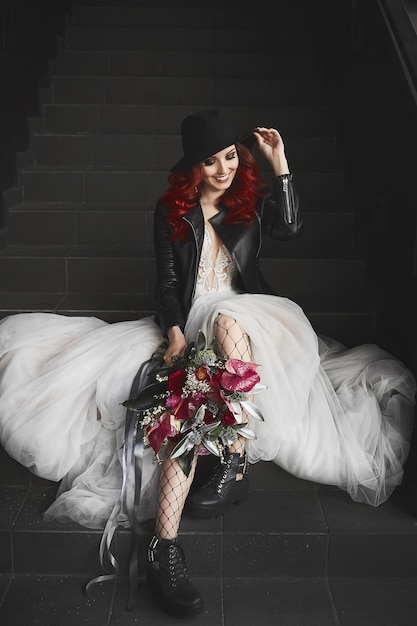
(173, 490)
(233, 343)
(231, 339)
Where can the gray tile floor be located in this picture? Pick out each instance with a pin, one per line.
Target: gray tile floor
(296, 554)
(59, 601)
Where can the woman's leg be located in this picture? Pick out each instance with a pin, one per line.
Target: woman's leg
(174, 486)
(167, 574)
(229, 483)
(168, 577)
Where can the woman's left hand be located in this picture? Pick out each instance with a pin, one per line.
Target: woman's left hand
(272, 147)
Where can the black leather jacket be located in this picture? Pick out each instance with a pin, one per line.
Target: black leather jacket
(177, 260)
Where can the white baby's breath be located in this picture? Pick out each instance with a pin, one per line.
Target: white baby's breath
(193, 385)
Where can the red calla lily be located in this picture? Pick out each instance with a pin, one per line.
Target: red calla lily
(160, 432)
(239, 375)
(228, 419)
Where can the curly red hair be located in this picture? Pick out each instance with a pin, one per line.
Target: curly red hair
(182, 193)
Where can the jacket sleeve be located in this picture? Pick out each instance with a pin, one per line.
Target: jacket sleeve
(169, 310)
(280, 213)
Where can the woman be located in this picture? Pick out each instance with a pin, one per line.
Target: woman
(207, 238)
(331, 415)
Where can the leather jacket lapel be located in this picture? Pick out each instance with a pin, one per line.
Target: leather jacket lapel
(195, 219)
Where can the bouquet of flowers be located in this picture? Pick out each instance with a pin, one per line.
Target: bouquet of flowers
(201, 403)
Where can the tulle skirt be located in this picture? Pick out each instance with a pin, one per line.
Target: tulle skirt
(331, 415)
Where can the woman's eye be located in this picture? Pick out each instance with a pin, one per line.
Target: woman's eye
(208, 162)
(231, 156)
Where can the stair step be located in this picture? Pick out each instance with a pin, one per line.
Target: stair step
(86, 269)
(325, 234)
(307, 530)
(312, 277)
(147, 152)
(84, 272)
(279, 92)
(176, 39)
(332, 601)
(79, 186)
(109, 307)
(113, 119)
(319, 191)
(73, 116)
(195, 91)
(106, 186)
(68, 303)
(188, 17)
(118, 228)
(202, 64)
(350, 328)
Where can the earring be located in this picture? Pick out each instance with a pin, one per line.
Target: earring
(196, 190)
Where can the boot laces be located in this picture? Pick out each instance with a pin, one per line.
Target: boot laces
(220, 476)
(177, 568)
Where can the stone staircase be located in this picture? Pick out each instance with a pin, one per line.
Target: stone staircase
(79, 234)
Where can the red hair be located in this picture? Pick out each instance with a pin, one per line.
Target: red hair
(182, 193)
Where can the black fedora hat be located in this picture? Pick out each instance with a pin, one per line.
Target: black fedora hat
(205, 133)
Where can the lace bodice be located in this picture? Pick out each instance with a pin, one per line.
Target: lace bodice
(216, 272)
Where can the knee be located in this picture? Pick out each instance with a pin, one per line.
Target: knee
(224, 322)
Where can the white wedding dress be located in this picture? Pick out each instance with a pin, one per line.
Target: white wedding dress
(332, 415)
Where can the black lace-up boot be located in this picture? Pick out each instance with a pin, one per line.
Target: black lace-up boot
(223, 489)
(169, 580)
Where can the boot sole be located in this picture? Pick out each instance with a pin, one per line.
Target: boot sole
(172, 608)
(210, 512)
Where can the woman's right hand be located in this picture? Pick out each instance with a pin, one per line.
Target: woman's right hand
(177, 344)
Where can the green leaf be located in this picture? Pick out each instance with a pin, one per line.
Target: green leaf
(209, 428)
(186, 425)
(201, 340)
(212, 447)
(237, 411)
(182, 447)
(252, 409)
(185, 461)
(214, 345)
(146, 397)
(258, 388)
(199, 416)
(188, 350)
(247, 432)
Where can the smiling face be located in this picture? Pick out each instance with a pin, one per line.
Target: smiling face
(219, 170)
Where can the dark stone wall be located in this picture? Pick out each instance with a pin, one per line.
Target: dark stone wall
(28, 39)
(371, 74)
